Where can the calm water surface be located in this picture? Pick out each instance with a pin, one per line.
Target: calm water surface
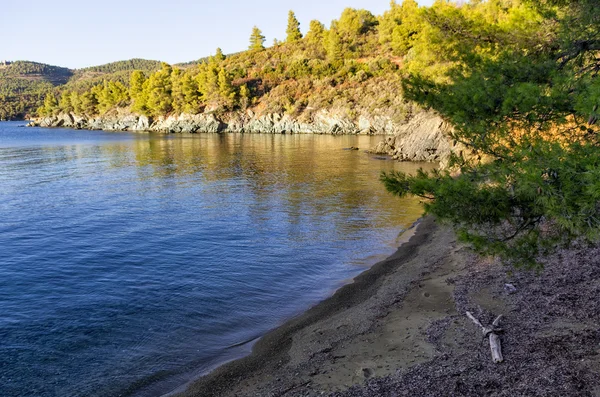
(130, 263)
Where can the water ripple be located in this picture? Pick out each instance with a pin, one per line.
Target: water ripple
(129, 262)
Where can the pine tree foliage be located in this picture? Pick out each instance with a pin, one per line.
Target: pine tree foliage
(159, 90)
(137, 93)
(273, 76)
(293, 28)
(316, 32)
(334, 46)
(519, 83)
(219, 56)
(257, 40)
(400, 26)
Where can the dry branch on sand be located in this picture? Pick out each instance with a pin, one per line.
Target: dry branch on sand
(492, 333)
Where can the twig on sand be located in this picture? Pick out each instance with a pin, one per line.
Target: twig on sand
(293, 387)
(491, 332)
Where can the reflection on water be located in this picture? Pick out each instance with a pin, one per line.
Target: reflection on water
(132, 261)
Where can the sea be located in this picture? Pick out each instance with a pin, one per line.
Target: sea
(131, 263)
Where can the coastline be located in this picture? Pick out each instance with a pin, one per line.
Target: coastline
(421, 138)
(400, 330)
(314, 313)
(297, 348)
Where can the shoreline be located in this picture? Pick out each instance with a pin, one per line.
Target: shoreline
(248, 346)
(400, 329)
(272, 350)
(421, 138)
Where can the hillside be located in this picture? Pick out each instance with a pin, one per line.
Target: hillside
(352, 68)
(34, 71)
(25, 84)
(84, 79)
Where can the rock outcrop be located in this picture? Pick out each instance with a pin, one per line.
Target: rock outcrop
(323, 122)
(424, 137)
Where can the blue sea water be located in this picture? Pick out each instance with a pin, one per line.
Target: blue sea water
(130, 263)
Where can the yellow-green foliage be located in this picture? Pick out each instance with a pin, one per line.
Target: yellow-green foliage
(23, 86)
(158, 89)
(257, 40)
(325, 68)
(50, 105)
(519, 82)
(400, 26)
(293, 28)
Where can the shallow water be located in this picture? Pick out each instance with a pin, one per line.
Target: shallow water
(132, 262)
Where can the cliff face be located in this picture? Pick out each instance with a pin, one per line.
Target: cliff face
(424, 137)
(323, 122)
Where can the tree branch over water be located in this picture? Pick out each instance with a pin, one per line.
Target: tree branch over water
(518, 81)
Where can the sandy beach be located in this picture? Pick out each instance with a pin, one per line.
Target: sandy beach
(400, 330)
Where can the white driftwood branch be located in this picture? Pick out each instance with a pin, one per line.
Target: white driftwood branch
(492, 333)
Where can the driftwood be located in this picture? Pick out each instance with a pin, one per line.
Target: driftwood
(492, 333)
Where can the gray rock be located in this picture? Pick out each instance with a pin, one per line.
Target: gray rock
(424, 137)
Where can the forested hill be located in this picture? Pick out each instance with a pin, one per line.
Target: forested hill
(35, 71)
(25, 84)
(119, 66)
(352, 63)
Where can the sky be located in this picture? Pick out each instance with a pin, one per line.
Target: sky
(80, 33)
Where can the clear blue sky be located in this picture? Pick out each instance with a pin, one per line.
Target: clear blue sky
(79, 33)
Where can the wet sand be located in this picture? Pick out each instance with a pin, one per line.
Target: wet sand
(400, 330)
(357, 333)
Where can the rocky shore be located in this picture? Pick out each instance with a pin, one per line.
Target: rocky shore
(422, 137)
(400, 330)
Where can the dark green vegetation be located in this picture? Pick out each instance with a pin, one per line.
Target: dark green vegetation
(519, 82)
(24, 85)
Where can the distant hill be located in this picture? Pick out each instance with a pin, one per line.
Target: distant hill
(34, 71)
(23, 85)
(130, 65)
(85, 78)
(193, 63)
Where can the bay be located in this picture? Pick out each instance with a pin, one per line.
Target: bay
(130, 263)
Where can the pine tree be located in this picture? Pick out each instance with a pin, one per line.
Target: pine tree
(226, 91)
(532, 184)
(159, 91)
(406, 33)
(210, 83)
(354, 22)
(388, 22)
(293, 28)
(191, 96)
(64, 103)
(136, 91)
(219, 56)
(244, 96)
(50, 105)
(316, 32)
(177, 91)
(89, 103)
(334, 46)
(76, 102)
(257, 39)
